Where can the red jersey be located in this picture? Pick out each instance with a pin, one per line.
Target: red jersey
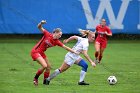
(101, 32)
(47, 41)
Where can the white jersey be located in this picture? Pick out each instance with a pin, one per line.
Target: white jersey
(82, 44)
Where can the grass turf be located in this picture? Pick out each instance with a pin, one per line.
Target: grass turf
(121, 58)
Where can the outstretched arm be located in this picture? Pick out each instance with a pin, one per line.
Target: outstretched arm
(69, 49)
(40, 25)
(108, 34)
(70, 39)
(88, 58)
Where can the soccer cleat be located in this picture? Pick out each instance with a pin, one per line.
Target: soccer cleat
(83, 83)
(35, 81)
(46, 82)
(96, 61)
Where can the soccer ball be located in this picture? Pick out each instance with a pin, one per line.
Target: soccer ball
(112, 80)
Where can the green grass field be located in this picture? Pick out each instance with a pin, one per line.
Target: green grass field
(121, 58)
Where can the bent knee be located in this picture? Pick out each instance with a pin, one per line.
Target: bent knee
(45, 66)
(85, 67)
(48, 68)
(98, 51)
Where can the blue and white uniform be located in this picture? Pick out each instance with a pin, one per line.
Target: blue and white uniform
(82, 44)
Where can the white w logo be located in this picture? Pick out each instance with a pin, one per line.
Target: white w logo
(116, 23)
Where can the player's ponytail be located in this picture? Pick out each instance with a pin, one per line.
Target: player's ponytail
(84, 33)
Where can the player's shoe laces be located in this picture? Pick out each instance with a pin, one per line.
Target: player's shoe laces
(35, 81)
(83, 83)
(46, 82)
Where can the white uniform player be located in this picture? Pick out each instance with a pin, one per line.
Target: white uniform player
(82, 44)
(70, 58)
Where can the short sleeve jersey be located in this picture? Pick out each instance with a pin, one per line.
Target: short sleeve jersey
(102, 29)
(47, 41)
(82, 44)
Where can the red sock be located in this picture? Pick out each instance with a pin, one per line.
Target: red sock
(39, 72)
(46, 74)
(100, 58)
(96, 54)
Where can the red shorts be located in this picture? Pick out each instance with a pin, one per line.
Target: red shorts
(103, 43)
(35, 55)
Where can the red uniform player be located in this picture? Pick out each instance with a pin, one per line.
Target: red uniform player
(101, 41)
(48, 40)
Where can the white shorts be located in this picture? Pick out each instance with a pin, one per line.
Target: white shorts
(71, 59)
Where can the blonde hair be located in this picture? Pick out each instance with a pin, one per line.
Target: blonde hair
(84, 33)
(57, 30)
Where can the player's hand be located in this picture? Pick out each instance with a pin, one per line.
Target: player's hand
(93, 64)
(43, 22)
(106, 33)
(65, 41)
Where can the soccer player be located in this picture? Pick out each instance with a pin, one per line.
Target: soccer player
(48, 40)
(70, 58)
(101, 41)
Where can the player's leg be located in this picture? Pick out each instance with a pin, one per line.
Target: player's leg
(37, 57)
(103, 46)
(63, 68)
(84, 66)
(42, 62)
(97, 51)
(101, 54)
(47, 70)
(67, 63)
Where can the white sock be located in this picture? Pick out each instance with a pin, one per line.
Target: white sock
(54, 74)
(82, 75)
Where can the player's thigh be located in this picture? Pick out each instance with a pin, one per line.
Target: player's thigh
(64, 67)
(102, 50)
(103, 47)
(48, 63)
(97, 46)
(41, 61)
(46, 59)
